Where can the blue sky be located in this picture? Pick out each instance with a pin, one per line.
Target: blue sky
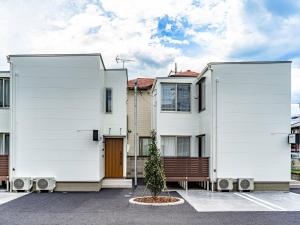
(155, 34)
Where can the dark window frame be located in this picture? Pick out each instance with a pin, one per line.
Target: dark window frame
(176, 108)
(200, 150)
(202, 94)
(5, 92)
(108, 109)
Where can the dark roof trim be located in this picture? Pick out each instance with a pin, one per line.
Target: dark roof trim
(249, 62)
(208, 66)
(3, 71)
(58, 55)
(176, 77)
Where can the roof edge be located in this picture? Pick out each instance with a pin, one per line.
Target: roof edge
(248, 62)
(57, 55)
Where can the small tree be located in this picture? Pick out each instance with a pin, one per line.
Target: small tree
(154, 173)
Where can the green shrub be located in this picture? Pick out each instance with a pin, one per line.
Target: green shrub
(154, 173)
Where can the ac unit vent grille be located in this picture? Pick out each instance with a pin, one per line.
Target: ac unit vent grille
(245, 184)
(224, 183)
(43, 184)
(19, 183)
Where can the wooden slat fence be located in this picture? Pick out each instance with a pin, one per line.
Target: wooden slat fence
(186, 168)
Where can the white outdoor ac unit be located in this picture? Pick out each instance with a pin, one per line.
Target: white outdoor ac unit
(45, 183)
(22, 183)
(225, 184)
(246, 184)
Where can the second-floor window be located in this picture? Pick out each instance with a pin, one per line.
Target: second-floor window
(176, 97)
(4, 92)
(108, 100)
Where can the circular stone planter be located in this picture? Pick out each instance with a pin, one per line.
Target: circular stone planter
(162, 201)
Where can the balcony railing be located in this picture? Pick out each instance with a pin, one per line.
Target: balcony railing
(186, 168)
(3, 167)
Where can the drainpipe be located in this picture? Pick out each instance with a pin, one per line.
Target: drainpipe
(214, 129)
(135, 132)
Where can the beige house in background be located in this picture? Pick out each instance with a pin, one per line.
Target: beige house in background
(143, 124)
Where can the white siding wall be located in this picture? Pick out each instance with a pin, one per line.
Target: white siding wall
(177, 123)
(205, 118)
(253, 114)
(57, 102)
(115, 123)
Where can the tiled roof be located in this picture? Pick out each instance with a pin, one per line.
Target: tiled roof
(143, 83)
(187, 73)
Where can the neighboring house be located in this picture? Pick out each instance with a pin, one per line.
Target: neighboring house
(4, 124)
(232, 121)
(144, 86)
(295, 129)
(59, 103)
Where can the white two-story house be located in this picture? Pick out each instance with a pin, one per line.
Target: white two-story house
(231, 121)
(67, 120)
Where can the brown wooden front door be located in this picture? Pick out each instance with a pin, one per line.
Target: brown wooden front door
(114, 157)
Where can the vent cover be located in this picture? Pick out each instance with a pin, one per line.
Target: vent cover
(225, 184)
(246, 184)
(21, 183)
(43, 184)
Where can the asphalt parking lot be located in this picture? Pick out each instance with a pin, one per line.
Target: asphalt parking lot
(203, 201)
(110, 206)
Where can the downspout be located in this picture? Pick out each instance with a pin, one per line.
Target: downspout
(216, 131)
(212, 115)
(214, 142)
(11, 135)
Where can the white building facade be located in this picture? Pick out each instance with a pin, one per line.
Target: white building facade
(237, 114)
(67, 119)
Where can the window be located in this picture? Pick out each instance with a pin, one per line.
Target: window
(183, 97)
(4, 92)
(175, 145)
(201, 145)
(176, 97)
(202, 102)
(168, 97)
(144, 146)
(108, 100)
(4, 144)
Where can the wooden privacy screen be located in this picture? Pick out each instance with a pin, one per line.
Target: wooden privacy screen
(186, 168)
(3, 167)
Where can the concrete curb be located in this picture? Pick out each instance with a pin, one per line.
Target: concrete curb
(181, 201)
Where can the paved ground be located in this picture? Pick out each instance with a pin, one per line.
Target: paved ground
(7, 196)
(204, 201)
(111, 207)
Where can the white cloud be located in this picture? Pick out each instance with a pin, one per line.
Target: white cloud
(218, 30)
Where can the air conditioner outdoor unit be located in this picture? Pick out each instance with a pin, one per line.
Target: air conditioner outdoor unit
(225, 184)
(22, 183)
(246, 184)
(45, 183)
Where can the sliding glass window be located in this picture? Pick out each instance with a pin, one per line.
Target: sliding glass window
(4, 92)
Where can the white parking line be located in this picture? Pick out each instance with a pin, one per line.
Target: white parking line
(265, 202)
(257, 202)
